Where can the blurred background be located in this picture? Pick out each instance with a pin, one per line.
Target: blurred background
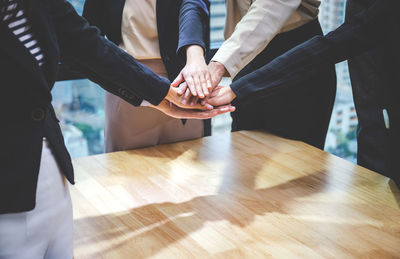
(79, 104)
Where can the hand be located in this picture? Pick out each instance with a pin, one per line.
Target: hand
(174, 97)
(217, 71)
(195, 73)
(174, 111)
(221, 95)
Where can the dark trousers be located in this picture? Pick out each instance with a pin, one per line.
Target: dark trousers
(369, 79)
(302, 112)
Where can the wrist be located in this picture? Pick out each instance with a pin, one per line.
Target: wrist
(232, 94)
(194, 53)
(219, 68)
(170, 94)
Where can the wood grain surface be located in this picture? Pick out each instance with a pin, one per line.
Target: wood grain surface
(241, 195)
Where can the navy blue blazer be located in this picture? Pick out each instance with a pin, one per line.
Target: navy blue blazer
(179, 23)
(25, 102)
(377, 26)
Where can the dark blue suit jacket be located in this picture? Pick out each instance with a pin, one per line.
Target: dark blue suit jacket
(379, 25)
(25, 102)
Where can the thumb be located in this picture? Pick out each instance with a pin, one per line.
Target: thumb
(178, 80)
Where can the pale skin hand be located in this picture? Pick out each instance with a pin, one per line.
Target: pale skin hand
(221, 95)
(195, 73)
(172, 110)
(217, 71)
(174, 97)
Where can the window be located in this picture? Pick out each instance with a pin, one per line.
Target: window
(79, 105)
(341, 138)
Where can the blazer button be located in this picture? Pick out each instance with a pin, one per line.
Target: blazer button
(38, 114)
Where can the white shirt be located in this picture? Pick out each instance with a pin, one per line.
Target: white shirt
(252, 24)
(139, 29)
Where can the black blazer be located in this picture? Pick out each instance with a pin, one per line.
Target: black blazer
(377, 26)
(179, 23)
(25, 101)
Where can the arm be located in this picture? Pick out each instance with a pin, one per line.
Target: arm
(253, 33)
(362, 32)
(194, 25)
(104, 62)
(194, 41)
(93, 13)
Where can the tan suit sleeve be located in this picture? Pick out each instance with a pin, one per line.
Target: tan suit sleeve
(264, 20)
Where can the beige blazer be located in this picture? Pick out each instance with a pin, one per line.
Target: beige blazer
(252, 24)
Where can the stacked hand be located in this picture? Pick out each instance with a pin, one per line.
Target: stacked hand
(172, 106)
(189, 95)
(195, 93)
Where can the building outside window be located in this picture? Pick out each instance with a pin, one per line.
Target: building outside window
(80, 103)
(342, 137)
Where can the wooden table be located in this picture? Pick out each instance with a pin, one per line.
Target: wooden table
(245, 195)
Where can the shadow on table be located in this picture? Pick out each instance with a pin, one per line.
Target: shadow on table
(145, 231)
(160, 224)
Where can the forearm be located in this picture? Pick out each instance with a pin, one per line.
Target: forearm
(193, 25)
(253, 33)
(101, 60)
(364, 31)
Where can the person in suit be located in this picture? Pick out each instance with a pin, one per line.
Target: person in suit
(378, 27)
(35, 35)
(169, 36)
(256, 32)
(367, 74)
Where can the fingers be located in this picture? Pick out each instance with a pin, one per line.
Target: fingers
(205, 107)
(177, 112)
(199, 84)
(204, 84)
(198, 87)
(209, 81)
(216, 92)
(186, 97)
(178, 80)
(191, 85)
(204, 101)
(182, 88)
(193, 101)
(209, 114)
(217, 101)
(221, 96)
(226, 108)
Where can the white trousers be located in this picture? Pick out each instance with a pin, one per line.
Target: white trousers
(46, 231)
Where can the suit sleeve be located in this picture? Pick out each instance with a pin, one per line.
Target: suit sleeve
(194, 24)
(364, 31)
(101, 60)
(262, 22)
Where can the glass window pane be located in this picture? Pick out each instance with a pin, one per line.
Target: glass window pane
(79, 105)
